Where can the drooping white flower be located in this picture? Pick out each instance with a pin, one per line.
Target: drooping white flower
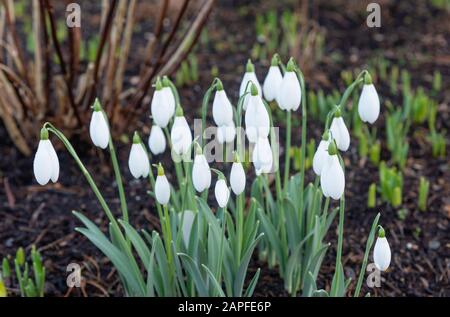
(237, 178)
(171, 101)
(249, 76)
(222, 109)
(272, 81)
(289, 94)
(157, 140)
(257, 121)
(98, 127)
(382, 251)
(201, 173)
(340, 133)
(369, 104)
(332, 178)
(226, 133)
(321, 155)
(222, 193)
(187, 219)
(161, 107)
(46, 163)
(262, 156)
(180, 135)
(162, 187)
(138, 161)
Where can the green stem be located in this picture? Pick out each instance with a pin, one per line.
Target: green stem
(288, 149)
(340, 231)
(239, 226)
(303, 144)
(118, 175)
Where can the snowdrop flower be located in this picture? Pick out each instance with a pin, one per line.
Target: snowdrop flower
(332, 178)
(339, 132)
(289, 94)
(257, 121)
(162, 187)
(46, 163)
(222, 109)
(187, 219)
(382, 251)
(237, 176)
(180, 135)
(249, 76)
(161, 107)
(369, 103)
(262, 156)
(98, 128)
(201, 173)
(171, 101)
(321, 155)
(157, 140)
(226, 133)
(222, 192)
(138, 161)
(273, 80)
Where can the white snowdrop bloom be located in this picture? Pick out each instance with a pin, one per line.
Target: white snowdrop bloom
(262, 156)
(187, 219)
(180, 135)
(321, 156)
(201, 173)
(249, 76)
(46, 163)
(161, 107)
(222, 193)
(289, 94)
(138, 161)
(98, 127)
(222, 109)
(171, 101)
(272, 81)
(340, 133)
(257, 121)
(382, 251)
(332, 178)
(162, 187)
(157, 140)
(226, 133)
(237, 178)
(369, 104)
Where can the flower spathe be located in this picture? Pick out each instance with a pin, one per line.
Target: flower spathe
(272, 83)
(262, 156)
(162, 187)
(289, 94)
(332, 178)
(201, 173)
(98, 127)
(249, 76)
(237, 178)
(257, 121)
(138, 161)
(222, 193)
(180, 134)
(157, 140)
(339, 132)
(161, 107)
(320, 156)
(382, 251)
(46, 163)
(369, 104)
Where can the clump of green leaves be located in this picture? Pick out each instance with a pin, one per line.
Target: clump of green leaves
(391, 184)
(396, 133)
(424, 187)
(372, 196)
(188, 72)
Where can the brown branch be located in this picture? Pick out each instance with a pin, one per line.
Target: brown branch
(47, 49)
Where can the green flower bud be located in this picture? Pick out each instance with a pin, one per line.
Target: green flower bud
(44, 134)
(275, 60)
(332, 148)
(179, 111)
(290, 67)
(381, 233)
(136, 138)
(160, 170)
(20, 256)
(253, 90)
(219, 85)
(367, 79)
(249, 68)
(159, 84)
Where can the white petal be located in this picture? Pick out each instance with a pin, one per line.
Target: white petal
(332, 178)
(272, 83)
(162, 189)
(171, 103)
(237, 178)
(161, 107)
(201, 173)
(382, 254)
(290, 94)
(187, 218)
(222, 109)
(157, 140)
(257, 121)
(369, 104)
(42, 164)
(138, 161)
(320, 156)
(226, 133)
(180, 136)
(53, 160)
(340, 133)
(248, 77)
(262, 156)
(222, 193)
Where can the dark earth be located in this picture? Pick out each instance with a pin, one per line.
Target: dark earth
(413, 34)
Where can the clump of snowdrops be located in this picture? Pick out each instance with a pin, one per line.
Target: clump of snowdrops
(203, 248)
